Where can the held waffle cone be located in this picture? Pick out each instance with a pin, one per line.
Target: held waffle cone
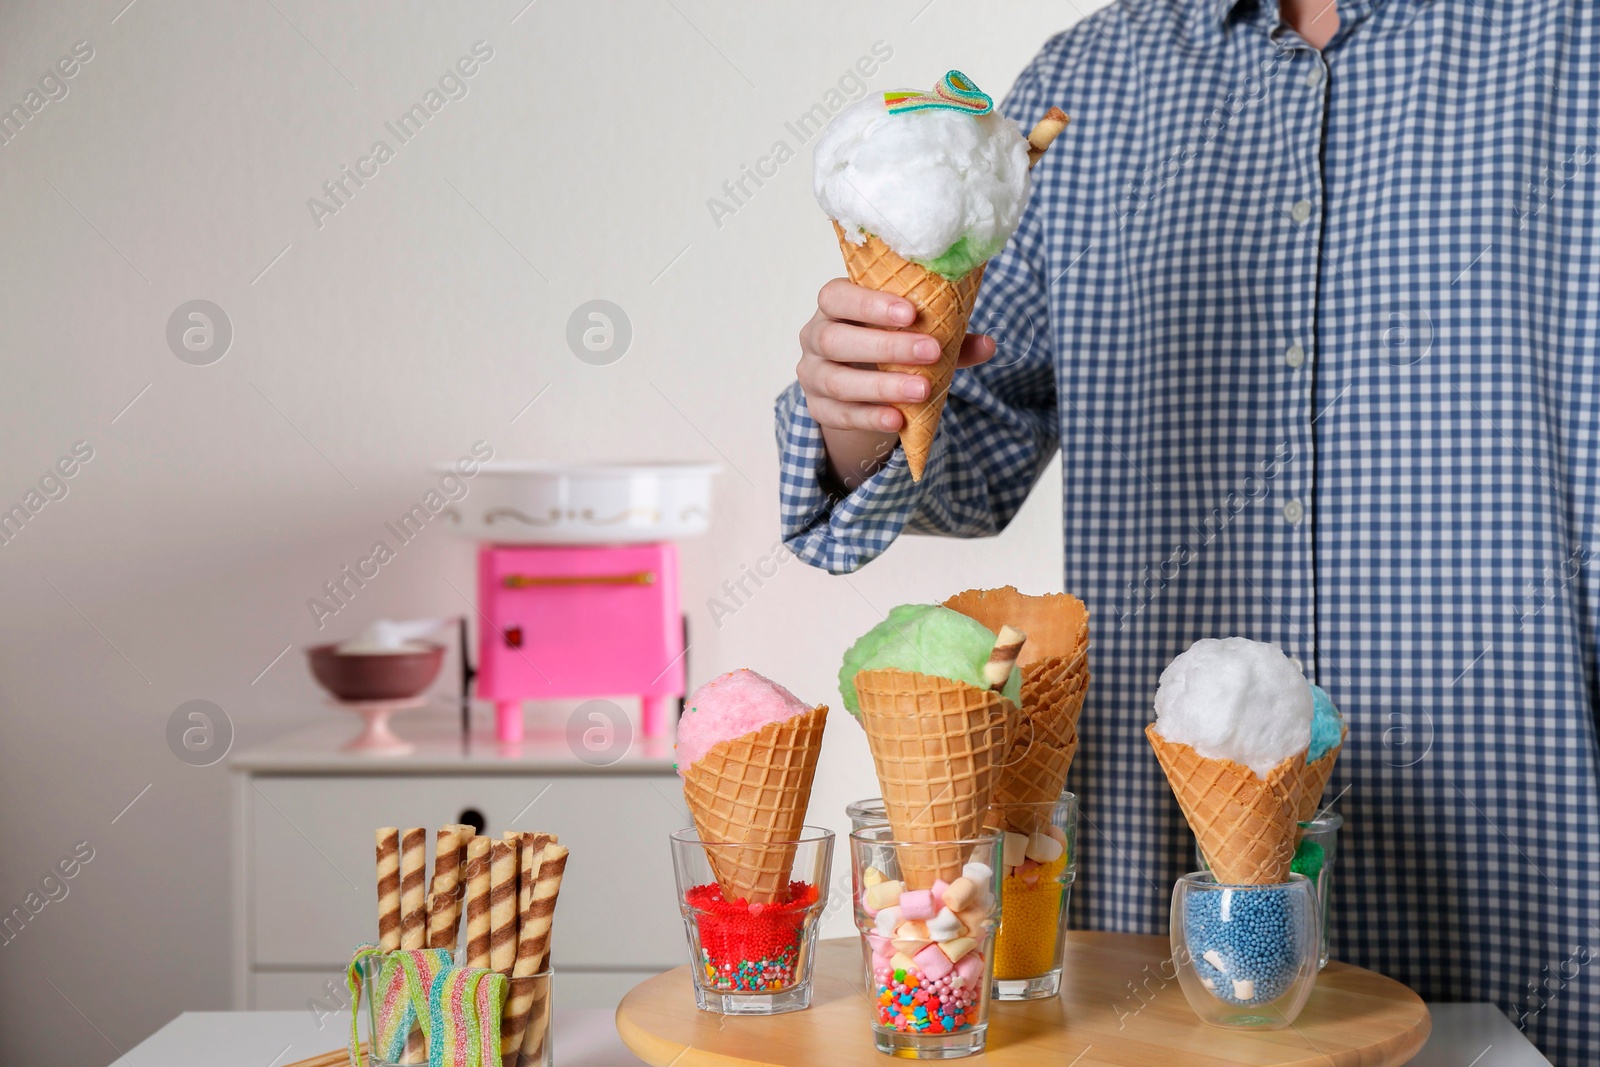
(1310, 785)
(1055, 680)
(937, 745)
(943, 308)
(1245, 825)
(754, 789)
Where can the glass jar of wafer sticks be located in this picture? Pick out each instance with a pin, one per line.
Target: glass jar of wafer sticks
(751, 911)
(461, 969)
(927, 912)
(1039, 863)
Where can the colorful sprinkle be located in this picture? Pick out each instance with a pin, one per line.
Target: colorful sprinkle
(909, 1002)
(750, 948)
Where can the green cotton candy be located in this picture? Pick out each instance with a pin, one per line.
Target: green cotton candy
(957, 261)
(925, 639)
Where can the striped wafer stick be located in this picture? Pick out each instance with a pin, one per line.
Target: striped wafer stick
(444, 898)
(1007, 647)
(552, 865)
(388, 888)
(503, 906)
(413, 871)
(477, 877)
(520, 998)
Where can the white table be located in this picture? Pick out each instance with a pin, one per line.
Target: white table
(583, 1038)
(1463, 1034)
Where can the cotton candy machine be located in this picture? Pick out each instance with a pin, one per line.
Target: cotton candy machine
(578, 582)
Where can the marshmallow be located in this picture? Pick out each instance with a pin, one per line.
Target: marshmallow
(1027, 865)
(901, 962)
(981, 873)
(973, 919)
(880, 945)
(933, 963)
(883, 894)
(912, 930)
(970, 968)
(1244, 989)
(1214, 958)
(1058, 833)
(918, 904)
(866, 906)
(1016, 847)
(887, 920)
(944, 926)
(939, 886)
(957, 947)
(960, 894)
(1044, 848)
(910, 946)
(871, 876)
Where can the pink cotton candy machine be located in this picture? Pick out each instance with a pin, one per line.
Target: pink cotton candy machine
(578, 582)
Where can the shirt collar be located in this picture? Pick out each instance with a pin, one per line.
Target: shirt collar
(1351, 12)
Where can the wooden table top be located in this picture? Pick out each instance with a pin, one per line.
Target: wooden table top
(1115, 1010)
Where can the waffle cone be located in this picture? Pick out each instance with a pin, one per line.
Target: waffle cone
(753, 790)
(1245, 825)
(937, 745)
(1055, 681)
(943, 308)
(1310, 785)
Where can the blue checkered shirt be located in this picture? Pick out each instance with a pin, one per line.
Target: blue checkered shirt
(1317, 337)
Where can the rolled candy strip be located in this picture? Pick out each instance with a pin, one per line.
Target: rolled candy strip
(502, 906)
(1007, 647)
(413, 869)
(388, 839)
(477, 876)
(444, 897)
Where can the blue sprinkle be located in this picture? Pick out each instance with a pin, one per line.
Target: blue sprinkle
(1256, 939)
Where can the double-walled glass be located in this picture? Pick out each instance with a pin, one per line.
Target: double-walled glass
(752, 956)
(927, 912)
(1246, 955)
(1039, 863)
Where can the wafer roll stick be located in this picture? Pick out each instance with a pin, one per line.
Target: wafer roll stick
(502, 906)
(444, 898)
(1044, 132)
(552, 865)
(413, 869)
(388, 888)
(538, 1025)
(528, 952)
(1007, 647)
(477, 876)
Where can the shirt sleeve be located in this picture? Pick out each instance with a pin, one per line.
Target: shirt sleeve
(998, 432)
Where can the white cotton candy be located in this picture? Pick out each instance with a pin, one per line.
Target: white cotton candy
(1235, 699)
(922, 180)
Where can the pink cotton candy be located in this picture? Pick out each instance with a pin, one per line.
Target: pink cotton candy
(736, 704)
(934, 964)
(918, 904)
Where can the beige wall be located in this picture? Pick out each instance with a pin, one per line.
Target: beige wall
(419, 318)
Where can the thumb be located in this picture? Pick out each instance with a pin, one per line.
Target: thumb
(977, 348)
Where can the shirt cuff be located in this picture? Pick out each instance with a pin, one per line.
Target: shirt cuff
(838, 534)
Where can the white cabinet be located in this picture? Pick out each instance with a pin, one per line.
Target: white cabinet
(305, 892)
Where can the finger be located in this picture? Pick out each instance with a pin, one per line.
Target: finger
(845, 343)
(838, 416)
(977, 348)
(857, 385)
(842, 299)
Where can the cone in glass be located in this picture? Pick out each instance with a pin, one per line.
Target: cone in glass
(1245, 825)
(1055, 680)
(1310, 785)
(938, 746)
(753, 789)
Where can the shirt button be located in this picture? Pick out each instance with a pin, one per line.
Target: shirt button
(1314, 77)
(1294, 511)
(1301, 210)
(1295, 356)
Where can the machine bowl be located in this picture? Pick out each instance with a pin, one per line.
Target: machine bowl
(363, 676)
(512, 503)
